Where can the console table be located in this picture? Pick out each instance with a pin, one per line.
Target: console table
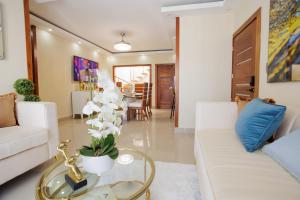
(79, 99)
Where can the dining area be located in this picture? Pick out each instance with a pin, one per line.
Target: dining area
(136, 82)
(139, 100)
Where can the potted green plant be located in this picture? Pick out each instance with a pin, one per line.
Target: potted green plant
(105, 112)
(26, 87)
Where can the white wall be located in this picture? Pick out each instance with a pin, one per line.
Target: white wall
(284, 93)
(150, 58)
(55, 69)
(205, 62)
(14, 65)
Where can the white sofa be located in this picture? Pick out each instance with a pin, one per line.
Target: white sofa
(31, 143)
(226, 171)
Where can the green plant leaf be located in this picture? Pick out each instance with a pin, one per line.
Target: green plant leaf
(109, 140)
(24, 86)
(87, 152)
(114, 154)
(104, 149)
(87, 147)
(32, 98)
(108, 150)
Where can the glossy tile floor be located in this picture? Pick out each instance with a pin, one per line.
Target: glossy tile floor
(155, 137)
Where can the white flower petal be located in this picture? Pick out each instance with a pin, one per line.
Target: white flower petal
(95, 133)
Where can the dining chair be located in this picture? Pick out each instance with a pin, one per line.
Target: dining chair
(139, 106)
(138, 89)
(149, 100)
(119, 85)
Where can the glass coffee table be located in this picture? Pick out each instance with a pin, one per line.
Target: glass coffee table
(129, 179)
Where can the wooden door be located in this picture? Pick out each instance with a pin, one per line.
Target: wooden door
(245, 67)
(164, 81)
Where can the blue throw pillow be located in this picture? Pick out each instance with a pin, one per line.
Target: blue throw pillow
(257, 122)
(286, 151)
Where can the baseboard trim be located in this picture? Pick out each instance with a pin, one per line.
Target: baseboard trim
(185, 130)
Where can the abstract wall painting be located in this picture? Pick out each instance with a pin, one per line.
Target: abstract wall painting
(284, 41)
(84, 70)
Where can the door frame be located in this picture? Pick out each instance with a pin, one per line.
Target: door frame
(35, 74)
(28, 40)
(256, 16)
(133, 65)
(156, 81)
(177, 67)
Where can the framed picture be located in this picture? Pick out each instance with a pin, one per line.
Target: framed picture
(284, 41)
(84, 70)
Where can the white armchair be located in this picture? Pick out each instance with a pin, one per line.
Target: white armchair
(31, 143)
(40, 115)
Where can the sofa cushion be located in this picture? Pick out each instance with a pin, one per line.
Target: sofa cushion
(286, 151)
(7, 110)
(257, 122)
(235, 174)
(16, 139)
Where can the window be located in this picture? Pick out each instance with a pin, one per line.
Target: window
(132, 74)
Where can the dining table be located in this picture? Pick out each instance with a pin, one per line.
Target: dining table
(131, 97)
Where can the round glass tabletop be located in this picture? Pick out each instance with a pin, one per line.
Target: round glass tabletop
(129, 179)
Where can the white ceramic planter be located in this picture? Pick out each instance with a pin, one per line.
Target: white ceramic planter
(97, 165)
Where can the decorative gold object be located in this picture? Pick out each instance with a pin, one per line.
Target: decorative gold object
(74, 177)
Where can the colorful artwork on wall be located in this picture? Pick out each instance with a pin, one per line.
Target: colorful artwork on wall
(284, 41)
(84, 70)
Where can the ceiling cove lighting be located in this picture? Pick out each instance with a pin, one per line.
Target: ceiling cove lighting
(191, 7)
(122, 45)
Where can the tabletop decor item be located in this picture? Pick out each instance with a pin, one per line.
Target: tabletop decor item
(105, 111)
(25, 87)
(74, 177)
(130, 179)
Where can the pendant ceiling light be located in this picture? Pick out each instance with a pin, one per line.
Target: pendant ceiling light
(122, 45)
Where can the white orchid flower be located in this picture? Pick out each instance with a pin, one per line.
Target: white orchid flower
(107, 109)
(90, 107)
(110, 107)
(114, 129)
(98, 97)
(104, 80)
(95, 123)
(105, 132)
(111, 95)
(108, 117)
(118, 121)
(95, 133)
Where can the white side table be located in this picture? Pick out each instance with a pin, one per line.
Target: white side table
(79, 99)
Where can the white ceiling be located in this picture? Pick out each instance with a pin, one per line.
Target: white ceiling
(101, 21)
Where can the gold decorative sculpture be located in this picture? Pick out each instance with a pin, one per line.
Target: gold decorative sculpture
(74, 177)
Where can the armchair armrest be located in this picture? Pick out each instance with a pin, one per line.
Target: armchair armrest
(41, 115)
(216, 115)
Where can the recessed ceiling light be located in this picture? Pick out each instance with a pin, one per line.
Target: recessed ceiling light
(50, 30)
